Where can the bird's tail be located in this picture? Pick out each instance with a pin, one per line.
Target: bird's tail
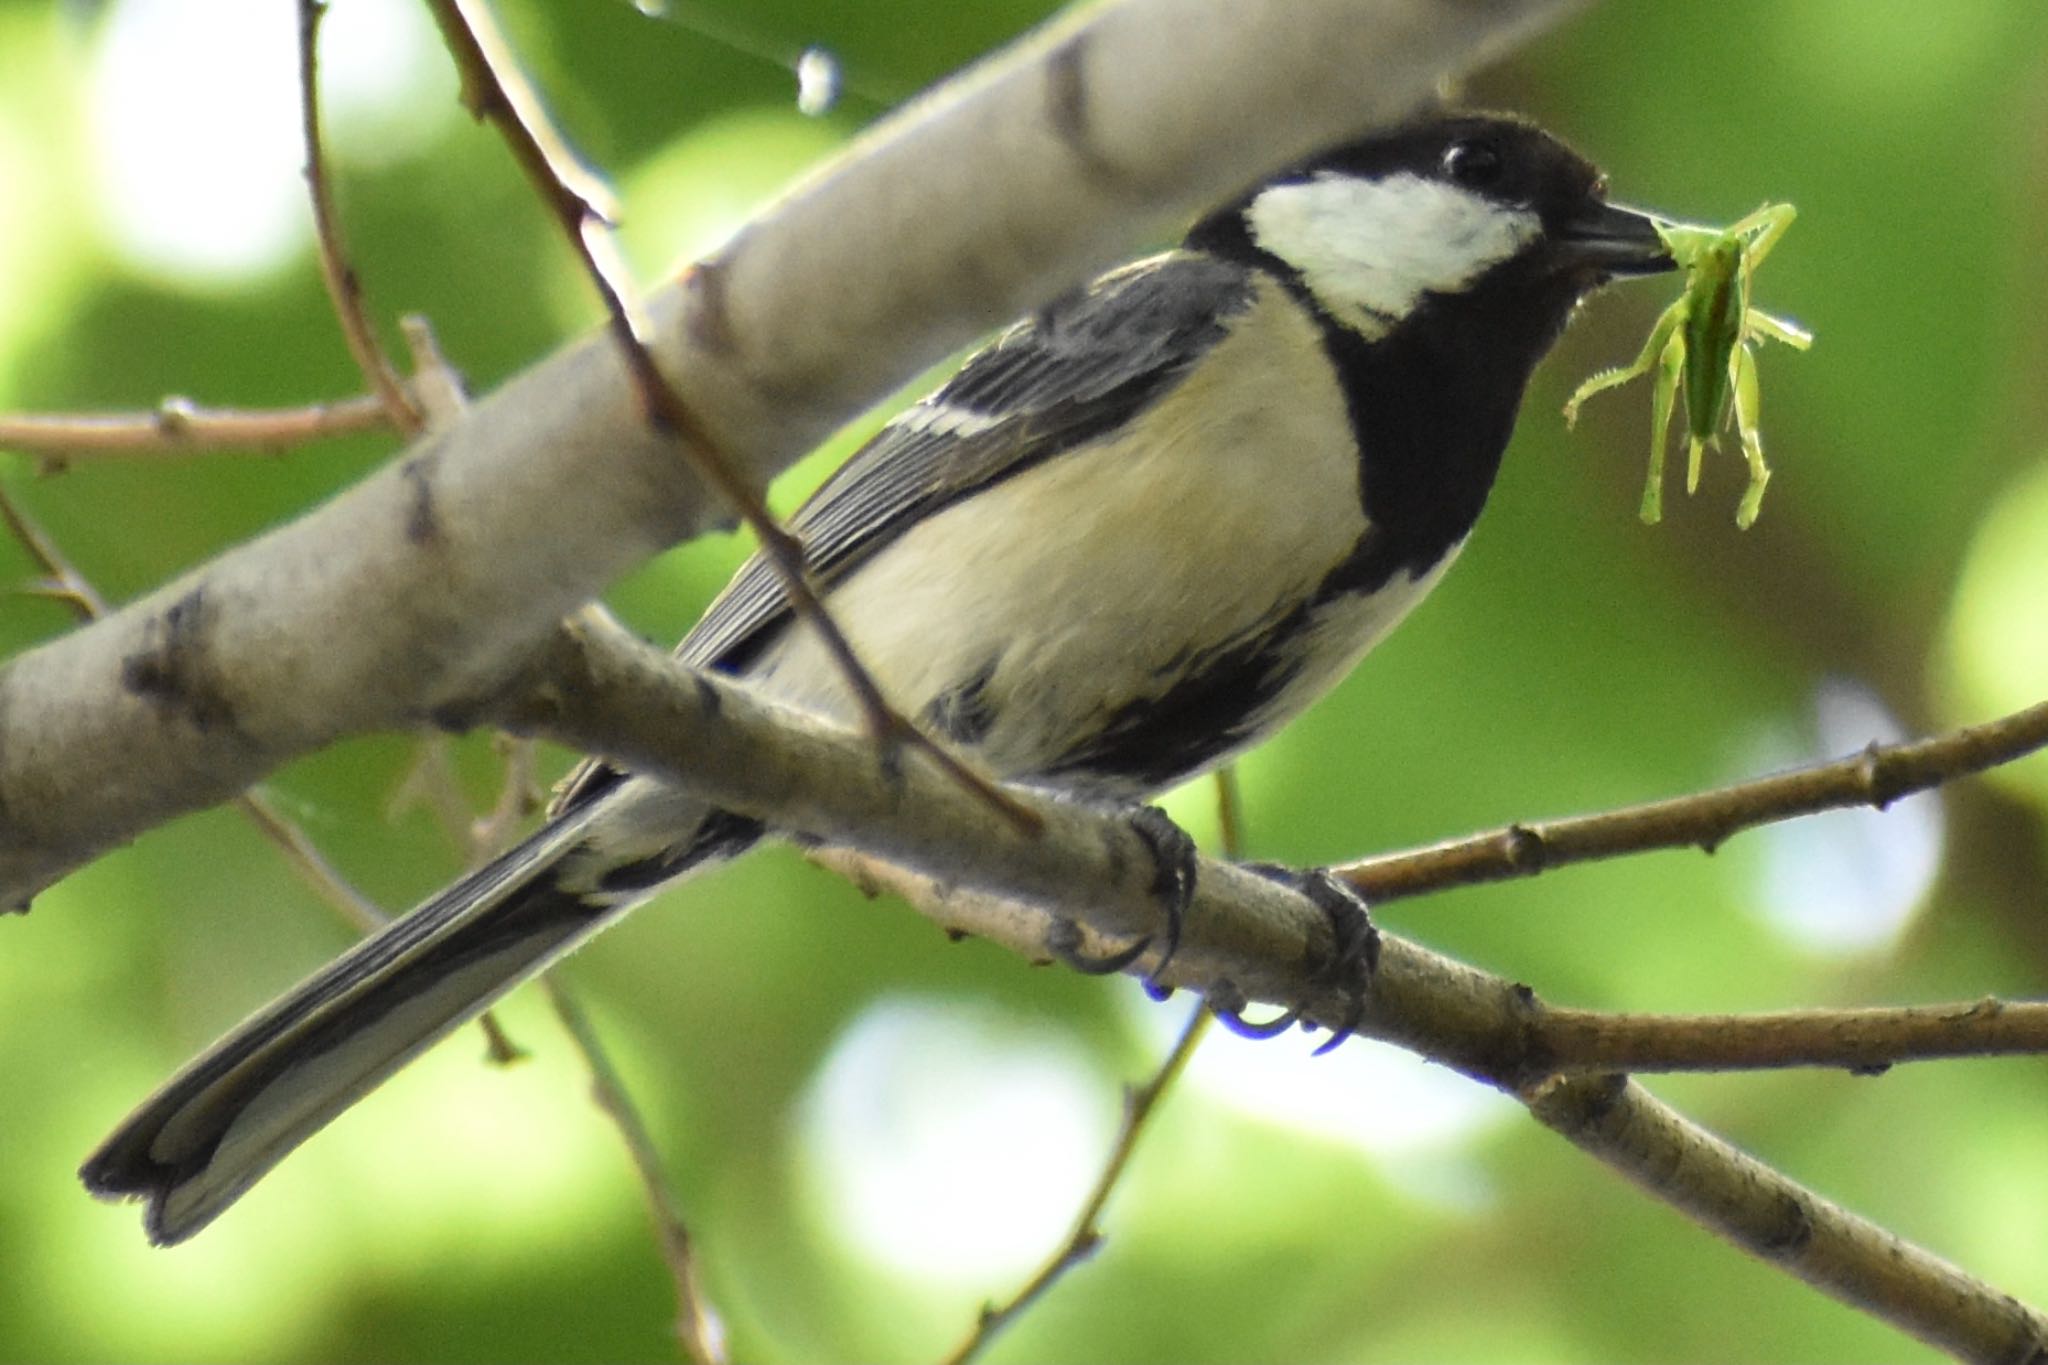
(192, 1148)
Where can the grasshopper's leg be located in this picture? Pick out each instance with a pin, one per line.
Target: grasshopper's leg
(1764, 324)
(1768, 224)
(1696, 445)
(1670, 373)
(1621, 374)
(1747, 400)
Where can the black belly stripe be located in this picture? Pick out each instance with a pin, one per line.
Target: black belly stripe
(1370, 566)
(963, 713)
(1222, 697)
(1215, 707)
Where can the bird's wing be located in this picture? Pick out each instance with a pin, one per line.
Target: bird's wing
(1083, 366)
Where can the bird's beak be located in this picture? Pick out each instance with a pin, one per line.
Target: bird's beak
(1614, 241)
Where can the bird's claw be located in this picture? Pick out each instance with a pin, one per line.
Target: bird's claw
(1227, 1003)
(1174, 862)
(1354, 947)
(1349, 967)
(1063, 943)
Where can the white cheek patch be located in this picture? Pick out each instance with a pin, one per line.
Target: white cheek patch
(1370, 249)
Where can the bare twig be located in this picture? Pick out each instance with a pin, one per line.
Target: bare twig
(432, 784)
(1230, 824)
(178, 425)
(1758, 1209)
(519, 795)
(438, 388)
(361, 913)
(429, 784)
(495, 91)
(1786, 1225)
(61, 581)
(344, 286)
(1864, 1040)
(1878, 776)
(672, 723)
(698, 1328)
(1085, 1235)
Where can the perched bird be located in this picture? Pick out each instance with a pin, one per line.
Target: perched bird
(1133, 536)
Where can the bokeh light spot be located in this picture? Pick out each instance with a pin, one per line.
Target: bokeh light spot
(1844, 881)
(196, 130)
(948, 1145)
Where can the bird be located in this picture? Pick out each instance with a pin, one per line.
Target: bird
(1129, 538)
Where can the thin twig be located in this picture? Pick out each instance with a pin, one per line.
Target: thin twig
(1762, 1211)
(438, 389)
(1878, 776)
(1862, 1040)
(495, 91)
(698, 1328)
(64, 582)
(362, 913)
(1085, 1236)
(1785, 1225)
(1230, 824)
(430, 784)
(60, 580)
(177, 426)
(344, 286)
(519, 795)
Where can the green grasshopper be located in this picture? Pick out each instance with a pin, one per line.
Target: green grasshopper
(1704, 344)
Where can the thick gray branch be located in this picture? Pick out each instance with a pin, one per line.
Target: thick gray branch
(427, 583)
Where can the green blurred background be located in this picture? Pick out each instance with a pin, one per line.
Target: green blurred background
(873, 1130)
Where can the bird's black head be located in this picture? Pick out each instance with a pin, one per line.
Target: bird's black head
(1449, 205)
(1443, 258)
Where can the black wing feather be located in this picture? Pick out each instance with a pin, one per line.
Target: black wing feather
(1084, 365)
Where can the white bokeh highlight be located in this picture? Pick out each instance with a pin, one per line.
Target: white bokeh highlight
(195, 125)
(1847, 881)
(943, 1142)
(1415, 1122)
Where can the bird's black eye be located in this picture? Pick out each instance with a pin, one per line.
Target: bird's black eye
(1473, 163)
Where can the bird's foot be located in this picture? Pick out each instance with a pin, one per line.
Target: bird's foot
(1354, 956)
